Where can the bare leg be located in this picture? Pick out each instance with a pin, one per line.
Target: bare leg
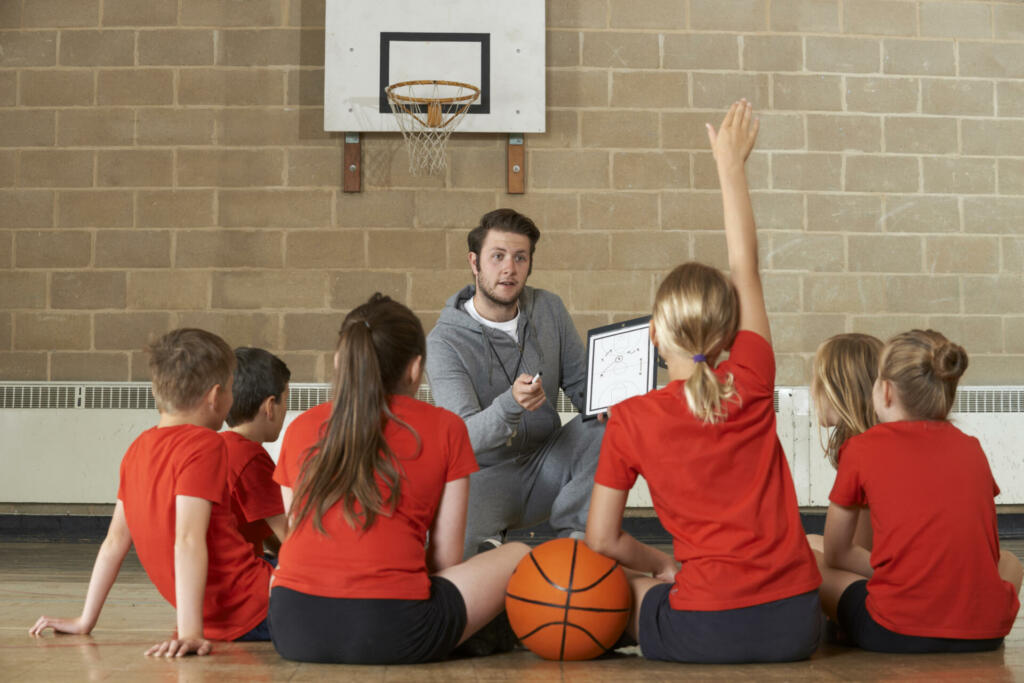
(1010, 568)
(482, 581)
(639, 584)
(833, 583)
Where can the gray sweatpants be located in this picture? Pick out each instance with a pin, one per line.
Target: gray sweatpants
(552, 483)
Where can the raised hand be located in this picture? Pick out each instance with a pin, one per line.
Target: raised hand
(735, 138)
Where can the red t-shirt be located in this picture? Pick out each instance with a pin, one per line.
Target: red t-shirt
(936, 546)
(187, 460)
(254, 495)
(723, 491)
(388, 560)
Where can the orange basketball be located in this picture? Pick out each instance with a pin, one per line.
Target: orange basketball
(565, 601)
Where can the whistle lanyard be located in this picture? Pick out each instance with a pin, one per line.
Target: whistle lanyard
(522, 348)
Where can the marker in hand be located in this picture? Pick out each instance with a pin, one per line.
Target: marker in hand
(535, 378)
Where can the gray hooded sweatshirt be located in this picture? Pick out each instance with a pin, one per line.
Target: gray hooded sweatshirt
(471, 368)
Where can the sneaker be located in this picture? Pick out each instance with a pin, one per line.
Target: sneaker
(492, 542)
(494, 638)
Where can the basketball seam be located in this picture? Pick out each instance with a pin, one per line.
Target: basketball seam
(557, 606)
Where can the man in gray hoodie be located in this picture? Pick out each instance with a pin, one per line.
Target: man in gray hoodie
(497, 357)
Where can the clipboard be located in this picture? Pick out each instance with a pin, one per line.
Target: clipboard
(621, 362)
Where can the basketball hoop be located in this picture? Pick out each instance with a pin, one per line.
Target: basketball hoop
(427, 112)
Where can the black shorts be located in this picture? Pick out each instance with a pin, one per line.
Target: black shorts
(860, 627)
(311, 628)
(785, 630)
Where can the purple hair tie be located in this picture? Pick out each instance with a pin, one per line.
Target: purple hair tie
(699, 358)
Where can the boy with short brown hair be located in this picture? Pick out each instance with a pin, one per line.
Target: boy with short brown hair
(172, 502)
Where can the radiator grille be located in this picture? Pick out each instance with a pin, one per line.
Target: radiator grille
(989, 400)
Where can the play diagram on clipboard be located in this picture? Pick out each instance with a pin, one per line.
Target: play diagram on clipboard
(621, 362)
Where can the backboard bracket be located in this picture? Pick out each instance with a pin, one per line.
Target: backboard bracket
(353, 164)
(516, 164)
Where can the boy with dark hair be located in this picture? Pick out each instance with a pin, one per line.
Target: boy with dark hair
(172, 502)
(256, 416)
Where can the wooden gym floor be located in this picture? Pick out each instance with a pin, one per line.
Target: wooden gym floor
(51, 578)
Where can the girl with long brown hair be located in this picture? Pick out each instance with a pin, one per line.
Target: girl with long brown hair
(377, 484)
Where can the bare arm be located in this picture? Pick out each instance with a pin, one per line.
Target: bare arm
(279, 525)
(731, 145)
(605, 535)
(448, 532)
(192, 520)
(286, 498)
(104, 572)
(840, 550)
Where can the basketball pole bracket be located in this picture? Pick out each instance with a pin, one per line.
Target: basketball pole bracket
(516, 164)
(352, 169)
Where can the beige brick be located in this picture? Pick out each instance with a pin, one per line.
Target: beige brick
(1014, 335)
(954, 96)
(89, 366)
(993, 369)
(311, 331)
(818, 93)
(95, 127)
(133, 249)
(959, 175)
(324, 249)
(653, 14)
(8, 167)
(844, 133)
(429, 288)
(387, 209)
(648, 250)
(611, 290)
(135, 168)
(175, 47)
(921, 214)
(843, 55)
(887, 326)
(26, 209)
(53, 249)
(167, 290)
(22, 290)
(60, 13)
(140, 12)
(405, 248)
(922, 293)
(274, 208)
(927, 57)
(230, 167)
(563, 48)
(1011, 176)
(844, 212)
(231, 86)
(807, 171)
(710, 248)
(56, 88)
(1008, 21)
(620, 50)
(802, 332)
(568, 169)
(176, 126)
(230, 13)
(920, 135)
(829, 293)
(718, 91)
(92, 208)
(999, 294)
(990, 59)
(229, 249)
(279, 126)
(306, 87)
(10, 15)
(89, 290)
(24, 366)
(803, 251)
(778, 210)
(317, 167)
(307, 366)
(140, 366)
(805, 16)
(881, 95)
(28, 48)
(1010, 95)
(350, 289)
(6, 249)
(549, 211)
(97, 48)
(993, 215)
(773, 53)
(578, 14)
(880, 17)
(781, 292)
(686, 130)
(688, 210)
(701, 51)
(879, 173)
(655, 89)
(8, 88)
(779, 131)
(705, 171)
(479, 168)
(620, 129)
(742, 15)
(136, 86)
(650, 170)
(271, 47)
(26, 128)
(1013, 254)
(51, 331)
(976, 333)
(956, 20)
(455, 209)
(618, 210)
(237, 329)
(885, 253)
(572, 88)
(5, 332)
(961, 254)
(176, 208)
(56, 168)
(576, 251)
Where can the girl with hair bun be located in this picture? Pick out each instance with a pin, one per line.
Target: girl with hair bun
(935, 579)
(377, 484)
(742, 585)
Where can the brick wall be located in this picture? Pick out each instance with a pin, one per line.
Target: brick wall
(163, 163)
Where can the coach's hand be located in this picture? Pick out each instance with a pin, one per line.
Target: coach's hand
(529, 396)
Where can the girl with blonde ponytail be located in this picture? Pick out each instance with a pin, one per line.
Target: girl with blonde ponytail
(377, 484)
(935, 579)
(742, 585)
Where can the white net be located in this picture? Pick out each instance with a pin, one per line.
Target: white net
(427, 112)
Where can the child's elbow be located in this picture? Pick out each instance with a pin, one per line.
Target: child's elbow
(598, 542)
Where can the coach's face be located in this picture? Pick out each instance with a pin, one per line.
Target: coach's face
(503, 266)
